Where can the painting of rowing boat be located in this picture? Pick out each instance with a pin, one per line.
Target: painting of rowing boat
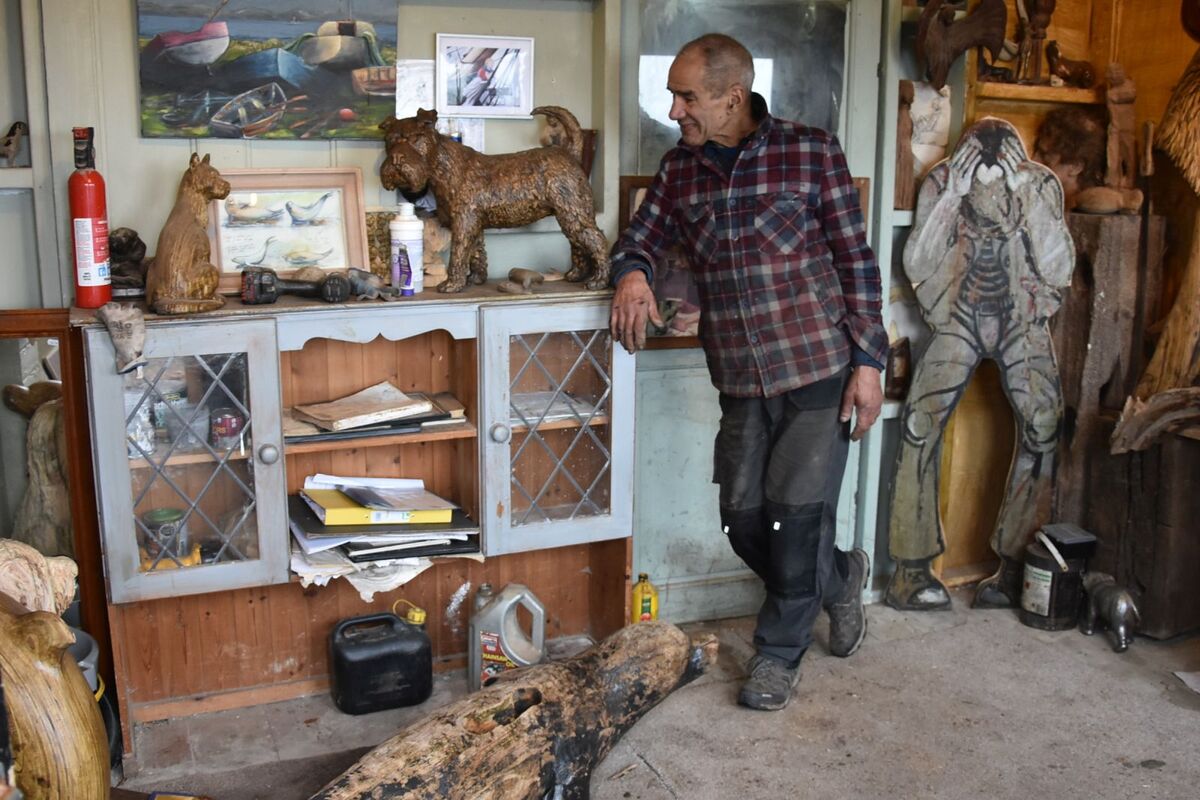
(257, 69)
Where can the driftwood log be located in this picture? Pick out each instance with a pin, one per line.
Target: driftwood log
(1144, 421)
(59, 746)
(536, 732)
(43, 519)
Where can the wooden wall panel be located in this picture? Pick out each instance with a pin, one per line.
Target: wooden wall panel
(1154, 49)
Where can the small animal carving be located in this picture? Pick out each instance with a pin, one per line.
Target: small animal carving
(182, 279)
(126, 256)
(10, 145)
(476, 191)
(941, 39)
(1114, 606)
(37, 582)
(369, 286)
(1073, 73)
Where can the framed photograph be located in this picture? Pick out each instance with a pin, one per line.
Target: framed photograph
(287, 219)
(674, 286)
(484, 76)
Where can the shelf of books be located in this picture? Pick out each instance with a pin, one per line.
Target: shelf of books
(464, 429)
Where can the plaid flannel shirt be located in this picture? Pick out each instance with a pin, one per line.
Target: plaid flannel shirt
(788, 284)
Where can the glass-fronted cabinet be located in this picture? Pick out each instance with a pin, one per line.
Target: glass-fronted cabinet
(188, 450)
(557, 427)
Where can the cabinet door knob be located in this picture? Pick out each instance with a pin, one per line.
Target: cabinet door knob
(268, 454)
(500, 433)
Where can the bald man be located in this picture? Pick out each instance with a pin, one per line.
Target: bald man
(790, 322)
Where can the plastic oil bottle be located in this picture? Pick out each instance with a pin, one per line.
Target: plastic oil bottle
(645, 600)
(497, 641)
(406, 231)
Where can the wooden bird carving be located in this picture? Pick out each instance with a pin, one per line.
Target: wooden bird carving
(941, 39)
(10, 145)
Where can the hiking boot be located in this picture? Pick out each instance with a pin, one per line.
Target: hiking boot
(769, 687)
(914, 588)
(848, 615)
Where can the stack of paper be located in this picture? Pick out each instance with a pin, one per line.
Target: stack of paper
(403, 521)
(382, 402)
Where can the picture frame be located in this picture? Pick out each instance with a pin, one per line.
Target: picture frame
(287, 219)
(674, 286)
(484, 76)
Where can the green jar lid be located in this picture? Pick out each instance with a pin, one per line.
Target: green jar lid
(162, 516)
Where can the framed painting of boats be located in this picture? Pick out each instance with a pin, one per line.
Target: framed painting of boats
(484, 76)
(301, 69)
(286, 220)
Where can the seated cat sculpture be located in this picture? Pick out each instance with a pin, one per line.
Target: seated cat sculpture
(182, 279)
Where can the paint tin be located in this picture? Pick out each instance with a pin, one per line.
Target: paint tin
(168, 529)
(1053, 587)
(225, 428)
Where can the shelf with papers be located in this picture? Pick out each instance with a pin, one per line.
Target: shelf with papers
(463, 430)
(561, 424)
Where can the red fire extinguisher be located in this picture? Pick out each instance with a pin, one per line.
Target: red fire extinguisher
(89, 225)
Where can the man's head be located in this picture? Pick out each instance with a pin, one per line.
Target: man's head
(710, 83)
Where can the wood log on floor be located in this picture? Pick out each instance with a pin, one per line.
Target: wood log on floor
(536, 732)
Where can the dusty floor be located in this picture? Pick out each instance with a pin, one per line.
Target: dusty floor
(937, 705)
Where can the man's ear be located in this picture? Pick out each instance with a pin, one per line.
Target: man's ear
(737, 96)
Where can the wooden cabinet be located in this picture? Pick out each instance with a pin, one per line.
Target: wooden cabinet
(189, 460)
(544, 465)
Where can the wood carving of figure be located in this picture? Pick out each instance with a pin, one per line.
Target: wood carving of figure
(60, 750)
(1034, 22)
(1122, 121)
(988, 256)
(43, 519)
(182, 279)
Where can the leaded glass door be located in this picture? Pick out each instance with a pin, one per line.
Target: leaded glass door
(557, 427)
(189, 461)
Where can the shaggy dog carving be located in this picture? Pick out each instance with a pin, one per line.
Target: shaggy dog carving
(476, 191)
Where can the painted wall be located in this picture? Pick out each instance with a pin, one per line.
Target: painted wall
(92, 80)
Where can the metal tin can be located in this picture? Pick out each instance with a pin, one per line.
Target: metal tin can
(168, 530)
(225, 428)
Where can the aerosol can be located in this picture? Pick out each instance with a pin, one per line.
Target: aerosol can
(497, 642)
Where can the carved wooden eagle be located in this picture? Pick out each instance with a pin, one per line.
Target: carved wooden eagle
(941, 39)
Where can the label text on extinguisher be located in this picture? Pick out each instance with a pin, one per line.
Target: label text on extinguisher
(91, 251)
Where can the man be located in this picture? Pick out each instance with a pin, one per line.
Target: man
(790, 322)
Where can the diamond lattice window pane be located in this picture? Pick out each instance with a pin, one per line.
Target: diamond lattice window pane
(188, 429)
(561, 392)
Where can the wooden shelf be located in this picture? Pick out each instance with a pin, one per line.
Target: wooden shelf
(183, 459)
(561, 424)
(464, 431)
(987, 90)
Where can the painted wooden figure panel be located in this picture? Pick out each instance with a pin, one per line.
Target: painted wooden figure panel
(988, 255)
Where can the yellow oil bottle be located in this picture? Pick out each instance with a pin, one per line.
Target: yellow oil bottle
(645, 599)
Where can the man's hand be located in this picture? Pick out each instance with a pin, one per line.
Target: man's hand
(863, 396)
(632, 304)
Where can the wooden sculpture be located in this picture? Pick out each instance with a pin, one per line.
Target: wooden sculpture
(906, 181)
(476, 191)
(1071, 141)
(941, 39)
(1035, 19)
(988, 256)
(59, 745)
(1175, 366)
(1122, 123)
(1070, 71)
(37, 582)
(43, 518)
(182, 278)
(536, 732)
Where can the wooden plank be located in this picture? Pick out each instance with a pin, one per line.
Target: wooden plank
(1154, 49)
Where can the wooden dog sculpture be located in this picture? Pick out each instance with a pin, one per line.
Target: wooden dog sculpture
(1112, 605)
(476, 191)
(182, 279)
(535, 732)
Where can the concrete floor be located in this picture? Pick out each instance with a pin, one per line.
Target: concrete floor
(938, 705)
